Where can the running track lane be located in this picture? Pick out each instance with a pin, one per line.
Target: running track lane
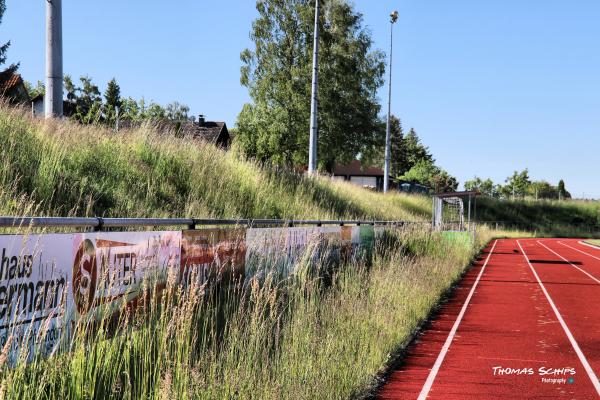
(511, 321)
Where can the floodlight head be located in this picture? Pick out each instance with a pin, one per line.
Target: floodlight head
(394, 17)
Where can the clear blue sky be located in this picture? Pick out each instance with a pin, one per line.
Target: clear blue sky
(490, 86)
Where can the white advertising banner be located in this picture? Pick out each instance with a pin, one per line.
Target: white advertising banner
(35, 301)
(48, 281)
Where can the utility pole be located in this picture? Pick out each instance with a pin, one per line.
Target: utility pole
(388, 150)
(53, 100)
(312, 149)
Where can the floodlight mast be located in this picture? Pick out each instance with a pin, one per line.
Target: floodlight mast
(386, 169)
(53, 100)
(312, 150)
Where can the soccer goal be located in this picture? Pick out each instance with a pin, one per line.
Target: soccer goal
(450, 213)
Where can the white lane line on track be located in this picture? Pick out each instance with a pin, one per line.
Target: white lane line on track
(438, 362)
(571, 264)
(589, 245)
(584, 361)
(581, 251)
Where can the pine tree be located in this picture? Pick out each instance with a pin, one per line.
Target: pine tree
(415, 150)
(4, 75)
(112, 97)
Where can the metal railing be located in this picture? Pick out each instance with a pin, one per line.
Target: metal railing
(98, 224)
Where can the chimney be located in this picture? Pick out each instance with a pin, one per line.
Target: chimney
(201, 120)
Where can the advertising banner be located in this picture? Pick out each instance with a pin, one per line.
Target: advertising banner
(215, 255)
(278, 250)
(35, 305)
(114, 269)
(48, 281)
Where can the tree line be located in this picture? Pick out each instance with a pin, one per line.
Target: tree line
(88, 105)
(519, 185)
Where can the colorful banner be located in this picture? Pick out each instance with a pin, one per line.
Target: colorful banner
(35, 280)
(48, 282)
(217, 255)
(115, 269)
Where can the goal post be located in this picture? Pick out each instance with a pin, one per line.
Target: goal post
(453, 211)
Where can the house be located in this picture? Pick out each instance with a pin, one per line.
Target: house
(13, 88)
(371, 177)
(37, 106)
(210, 131)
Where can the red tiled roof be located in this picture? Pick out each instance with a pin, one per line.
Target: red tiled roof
(355, 168)
(11, 83)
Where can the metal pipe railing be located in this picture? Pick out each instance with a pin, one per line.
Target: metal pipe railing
(98, 223)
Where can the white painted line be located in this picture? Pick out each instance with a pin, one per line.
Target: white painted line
(438, 362)
(584, 361)
(589, 245)
(571, 264)
(581, 251)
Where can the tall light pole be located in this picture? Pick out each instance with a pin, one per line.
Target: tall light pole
(386, 169)
(312, 148)
(53, 100)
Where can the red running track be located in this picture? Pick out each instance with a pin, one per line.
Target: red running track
(523, 324)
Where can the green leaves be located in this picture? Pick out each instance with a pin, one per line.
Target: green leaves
(277, 73)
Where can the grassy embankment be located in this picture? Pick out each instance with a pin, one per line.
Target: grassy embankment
(571, 218)
(67, 169)
(292, 339)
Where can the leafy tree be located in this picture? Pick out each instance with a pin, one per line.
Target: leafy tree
(427, 173)
(277, 73)
(517, 184)
(486, 187)
(85, 100)
(4, 48)
(177, 112)
(39, 89)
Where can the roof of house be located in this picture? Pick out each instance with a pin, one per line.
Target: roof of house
(9, 81)
(209, 131)
(355, 168)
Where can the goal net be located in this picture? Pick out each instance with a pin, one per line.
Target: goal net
(448, 214)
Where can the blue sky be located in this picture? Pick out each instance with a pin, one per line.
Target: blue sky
(490, 86)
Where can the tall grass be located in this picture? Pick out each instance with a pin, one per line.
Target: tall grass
(63, 168)
(544, 217)
(301, 338)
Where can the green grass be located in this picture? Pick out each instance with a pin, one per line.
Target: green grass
(572, 218)
(593, 242)
(63, 169)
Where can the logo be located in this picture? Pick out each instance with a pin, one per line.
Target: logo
(85, 276)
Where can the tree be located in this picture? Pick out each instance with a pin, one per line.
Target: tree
(277, 73)
(483, 186)
(375, 155)
(85, 100)
(38, 90)
(3, 49)
(177, 112)
(112, 97)
(517, 184)
(415, 150)
(562, 191)
(427, 173)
